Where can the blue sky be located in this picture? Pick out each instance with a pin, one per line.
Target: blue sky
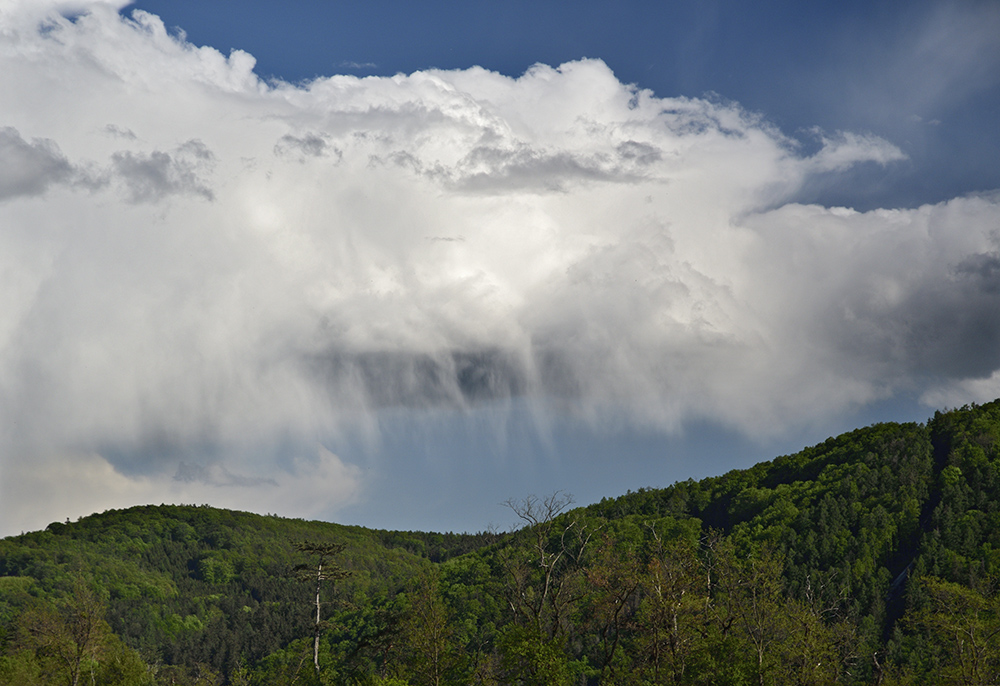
(393, 263)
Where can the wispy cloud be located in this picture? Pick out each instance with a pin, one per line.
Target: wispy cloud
(922, 66)
(358, 66)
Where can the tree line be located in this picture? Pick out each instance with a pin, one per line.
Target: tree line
(871, 558)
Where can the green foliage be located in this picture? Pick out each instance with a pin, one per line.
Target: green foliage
(192, 585)
(873, 557)
(532, 659)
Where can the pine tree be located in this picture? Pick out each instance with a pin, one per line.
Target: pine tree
(322, 569)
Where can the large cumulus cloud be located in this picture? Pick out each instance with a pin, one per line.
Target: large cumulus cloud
(204, 276)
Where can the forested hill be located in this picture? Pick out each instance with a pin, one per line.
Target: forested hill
(873, 557)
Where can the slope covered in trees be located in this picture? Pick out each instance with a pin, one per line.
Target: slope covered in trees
(870, 558)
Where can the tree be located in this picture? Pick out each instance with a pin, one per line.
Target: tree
(531, 659)
(613, 579)
(70, 635)
(753, 599)
(674, 614)
(965, 624)
(789, 641)
(427, 637)
(319, 571)
(542, 572)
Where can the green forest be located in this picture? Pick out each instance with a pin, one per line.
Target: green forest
(871, 558)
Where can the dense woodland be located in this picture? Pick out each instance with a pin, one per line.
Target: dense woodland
(872, 558)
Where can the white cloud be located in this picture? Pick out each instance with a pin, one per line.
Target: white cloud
(847, 149)
(197, 267)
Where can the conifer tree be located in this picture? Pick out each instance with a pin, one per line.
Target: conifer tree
(320, 570)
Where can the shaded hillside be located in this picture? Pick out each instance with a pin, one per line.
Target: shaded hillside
(872, 557)
(844, 514)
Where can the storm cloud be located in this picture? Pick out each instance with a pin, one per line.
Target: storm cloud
(254, 267)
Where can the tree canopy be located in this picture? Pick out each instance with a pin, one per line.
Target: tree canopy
(873, 557)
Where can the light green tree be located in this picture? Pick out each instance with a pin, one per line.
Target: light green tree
(966, 625)
(70, 636)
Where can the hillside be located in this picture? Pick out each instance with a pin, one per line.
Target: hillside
(872, 557)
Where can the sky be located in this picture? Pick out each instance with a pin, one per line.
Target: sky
(394, 264)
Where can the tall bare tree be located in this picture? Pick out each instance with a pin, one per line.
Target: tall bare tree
(543, 573)
(321, 569)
